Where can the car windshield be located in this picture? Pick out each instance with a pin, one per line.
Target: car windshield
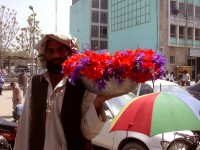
(118, 102)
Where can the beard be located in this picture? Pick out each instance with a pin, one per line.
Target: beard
(55, 68)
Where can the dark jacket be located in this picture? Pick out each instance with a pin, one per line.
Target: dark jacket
(70, 115)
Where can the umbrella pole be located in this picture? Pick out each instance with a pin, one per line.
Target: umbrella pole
(162, 141)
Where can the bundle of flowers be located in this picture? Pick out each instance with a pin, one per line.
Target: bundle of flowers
(138, 65)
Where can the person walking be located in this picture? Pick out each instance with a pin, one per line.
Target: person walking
(2, 81)
(16, 96)
(22, 81)
(56, 114)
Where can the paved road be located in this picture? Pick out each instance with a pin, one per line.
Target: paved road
(6, 104)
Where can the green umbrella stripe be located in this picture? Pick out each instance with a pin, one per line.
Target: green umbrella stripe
(172, 114)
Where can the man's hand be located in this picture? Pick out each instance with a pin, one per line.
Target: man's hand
(98, 102)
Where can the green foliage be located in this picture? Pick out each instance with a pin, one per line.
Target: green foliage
(29, 35)
(8, 28)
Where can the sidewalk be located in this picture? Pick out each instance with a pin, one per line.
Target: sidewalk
(6, 105)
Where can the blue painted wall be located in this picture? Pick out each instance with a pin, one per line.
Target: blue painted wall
(144, 35)
(80, 22)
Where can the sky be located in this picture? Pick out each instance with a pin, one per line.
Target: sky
(46, 12)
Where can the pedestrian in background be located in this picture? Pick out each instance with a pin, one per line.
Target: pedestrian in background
(22, 81)
(171, 77)
(185, 79)
(16, 97)
(2, 81)
(167, 76)
(179, 78)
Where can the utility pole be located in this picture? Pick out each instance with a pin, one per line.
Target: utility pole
(56, 6)
(32, 53)
(1, 37)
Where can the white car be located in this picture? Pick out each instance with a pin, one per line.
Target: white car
(127, 140)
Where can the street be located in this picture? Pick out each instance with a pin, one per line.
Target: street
(6, 105)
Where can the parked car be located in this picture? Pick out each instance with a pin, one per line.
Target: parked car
(194, 90)
(120, 140)
(20, 68)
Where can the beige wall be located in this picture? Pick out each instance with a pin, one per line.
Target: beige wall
(179, 52)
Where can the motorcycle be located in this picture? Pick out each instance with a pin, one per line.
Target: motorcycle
(7, 134)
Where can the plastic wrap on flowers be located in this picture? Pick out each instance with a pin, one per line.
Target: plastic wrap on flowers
(107, 74)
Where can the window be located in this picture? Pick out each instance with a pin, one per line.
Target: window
(95, 3)
(172, 59)
(95, 31)
(190, 10)
(197, 34)
(172, 5)
(181, 32)
(182, 9)
(103, 45)
(190, 33)
(103, 32)
(74, 1)
(173, 8)
(172, 31)
(197, 12)
(95, 16)
(94, 44)
(104, 4)
(104, 17)
(129, 13)
(145, 89)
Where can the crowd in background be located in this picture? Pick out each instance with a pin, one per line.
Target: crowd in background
(183, 77)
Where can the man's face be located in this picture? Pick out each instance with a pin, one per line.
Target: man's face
(56, 53)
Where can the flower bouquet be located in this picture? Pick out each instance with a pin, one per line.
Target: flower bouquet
(117, 74)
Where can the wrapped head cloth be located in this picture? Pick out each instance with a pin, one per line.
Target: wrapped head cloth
(67, 40)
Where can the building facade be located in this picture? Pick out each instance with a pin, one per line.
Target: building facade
(133, 24)
(171, 27)
(89, 23)
(183, 28)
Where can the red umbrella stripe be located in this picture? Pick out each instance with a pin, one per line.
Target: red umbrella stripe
(141, 119)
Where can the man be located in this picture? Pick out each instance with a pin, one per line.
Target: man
(167, 76)
(56, 114)
(185, 78)
(16, 97)
(22, 81)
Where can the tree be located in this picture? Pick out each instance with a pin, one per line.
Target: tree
(27, 38)
(8, 29)
(29, 35)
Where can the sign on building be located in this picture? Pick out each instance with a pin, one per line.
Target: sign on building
(195, 52)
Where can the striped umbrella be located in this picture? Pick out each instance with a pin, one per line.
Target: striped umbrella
(159, 113)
